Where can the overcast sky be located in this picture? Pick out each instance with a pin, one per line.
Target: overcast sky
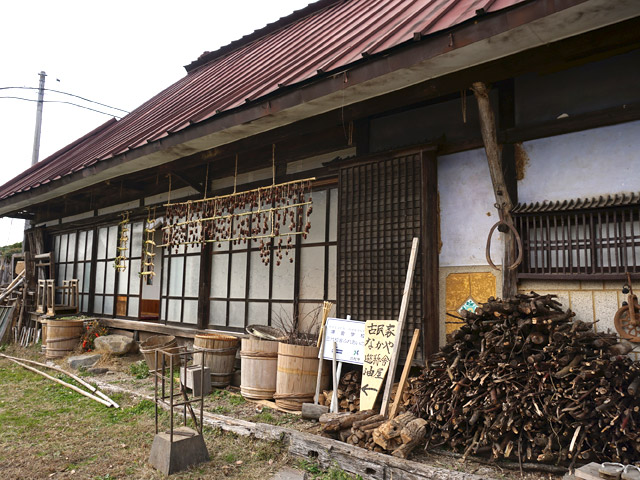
(118, 53)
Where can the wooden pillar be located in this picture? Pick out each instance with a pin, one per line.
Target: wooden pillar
(500, 190)
(430, 253)
(205, 285)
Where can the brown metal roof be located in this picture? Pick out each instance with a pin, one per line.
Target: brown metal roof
(322, 38)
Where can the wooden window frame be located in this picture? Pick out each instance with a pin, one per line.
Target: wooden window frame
(270, 301)
(594, 252)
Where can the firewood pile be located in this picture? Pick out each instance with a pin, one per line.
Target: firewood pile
(521, 380)
(369, 430)
(348, 392)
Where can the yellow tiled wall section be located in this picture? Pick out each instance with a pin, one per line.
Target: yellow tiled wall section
(460, 286)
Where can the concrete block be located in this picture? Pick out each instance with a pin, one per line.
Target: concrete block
(191, 377)
(606, 306)
(188, 448)
(548, 286)
(563, 298)
(592, 285)
(582, 305)
(614, 285)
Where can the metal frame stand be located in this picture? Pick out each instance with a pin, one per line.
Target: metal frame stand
(181, 447)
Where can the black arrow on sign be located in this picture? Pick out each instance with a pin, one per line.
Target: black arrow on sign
(367, 387)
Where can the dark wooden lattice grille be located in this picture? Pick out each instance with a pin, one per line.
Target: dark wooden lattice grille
(380, 213)
(586, 239)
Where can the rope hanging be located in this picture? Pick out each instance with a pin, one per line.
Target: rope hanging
(503, 226)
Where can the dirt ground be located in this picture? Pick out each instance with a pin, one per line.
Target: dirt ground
(84, 440)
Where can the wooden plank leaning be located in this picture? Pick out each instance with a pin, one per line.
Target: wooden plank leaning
(404, 307)
(405, 373)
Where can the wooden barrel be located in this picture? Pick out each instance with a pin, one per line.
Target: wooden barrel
(159, 342)
(63, 336)
(297, 376)
(222, 357)
(259, 363)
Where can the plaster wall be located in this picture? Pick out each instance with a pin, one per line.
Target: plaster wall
(466, 210)
(595, 162)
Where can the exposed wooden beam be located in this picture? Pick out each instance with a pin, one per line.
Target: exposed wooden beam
(496, 169)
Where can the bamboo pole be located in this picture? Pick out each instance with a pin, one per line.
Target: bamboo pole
(235, 194)
(68, 385)
(75, 377)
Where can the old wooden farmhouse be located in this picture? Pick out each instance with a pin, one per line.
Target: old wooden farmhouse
(391, 119)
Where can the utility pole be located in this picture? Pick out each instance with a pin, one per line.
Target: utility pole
(36, 139)
(36, 136)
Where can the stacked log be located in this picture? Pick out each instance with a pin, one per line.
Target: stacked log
(348, 392)
(374, 432)
(522, 380)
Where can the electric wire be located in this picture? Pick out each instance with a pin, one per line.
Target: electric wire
(66, 93)
(62, 101)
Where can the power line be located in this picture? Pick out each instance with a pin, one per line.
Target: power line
(66, 93)
(61, 101)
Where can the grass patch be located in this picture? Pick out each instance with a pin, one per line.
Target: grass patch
(49, 430)
(230, 397)
(318, 473)
(139, 369)
(268, 416)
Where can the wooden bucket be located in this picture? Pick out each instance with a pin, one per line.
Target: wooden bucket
(221, 360)
(297, 376)
(63, 336)
(259, 364)
(159, 342)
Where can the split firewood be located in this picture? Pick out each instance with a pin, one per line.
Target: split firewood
(387, 435)
(348, 392)
(411, 435)
(344, 421)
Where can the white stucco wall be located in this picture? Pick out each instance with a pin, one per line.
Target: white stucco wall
(594, 162)
(466, 210)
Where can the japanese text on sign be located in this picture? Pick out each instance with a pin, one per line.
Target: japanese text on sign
(349, 338)
(380, 337)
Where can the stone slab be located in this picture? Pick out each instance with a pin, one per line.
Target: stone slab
(84, 361)
(288, 473)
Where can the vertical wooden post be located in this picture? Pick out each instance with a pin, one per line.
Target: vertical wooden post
(205, 285)
(496, 169)
(430, 233)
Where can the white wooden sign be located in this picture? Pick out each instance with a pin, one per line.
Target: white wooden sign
(349, 338)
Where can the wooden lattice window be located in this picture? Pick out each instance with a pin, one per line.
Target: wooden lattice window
(594, 239)
(380, 213)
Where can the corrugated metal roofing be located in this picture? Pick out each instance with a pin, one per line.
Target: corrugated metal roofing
(323, 37)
